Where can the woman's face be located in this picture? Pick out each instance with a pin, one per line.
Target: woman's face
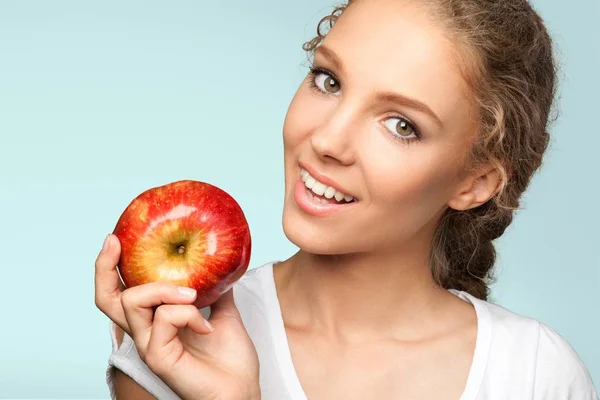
(386, 120)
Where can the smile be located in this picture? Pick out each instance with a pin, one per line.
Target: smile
(320, 200)
(325, 194)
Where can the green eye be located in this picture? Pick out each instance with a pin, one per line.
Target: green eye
(324, 81)
(331, 85)
(404, 128)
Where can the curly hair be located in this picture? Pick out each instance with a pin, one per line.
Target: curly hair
(506, 57)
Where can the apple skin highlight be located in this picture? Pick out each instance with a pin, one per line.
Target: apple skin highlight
(189, 233)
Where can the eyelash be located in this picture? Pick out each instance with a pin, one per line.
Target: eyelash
(315, 71)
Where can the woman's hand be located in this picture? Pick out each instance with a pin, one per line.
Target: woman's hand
(173, 338)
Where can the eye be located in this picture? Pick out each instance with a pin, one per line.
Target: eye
(402, 128)
(324, 81)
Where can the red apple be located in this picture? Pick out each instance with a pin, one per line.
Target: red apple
(187, 232)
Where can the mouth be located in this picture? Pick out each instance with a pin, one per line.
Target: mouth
(320, 200)
(320, 192)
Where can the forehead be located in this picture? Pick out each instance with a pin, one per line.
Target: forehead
(398, 45)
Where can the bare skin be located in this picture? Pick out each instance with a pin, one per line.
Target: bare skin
(125, 387)
(363, 316)
(197, 360)
(358, 361)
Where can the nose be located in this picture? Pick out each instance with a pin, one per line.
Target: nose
(333, 140)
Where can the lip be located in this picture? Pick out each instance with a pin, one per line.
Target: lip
(326, 180)
(310, 207)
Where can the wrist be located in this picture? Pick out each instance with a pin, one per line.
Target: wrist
(240, 394)
(251, 394)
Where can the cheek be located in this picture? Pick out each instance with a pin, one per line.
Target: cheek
(296, 132)
(304, 114)
(408, 190)
(292, 129)
(415, 179)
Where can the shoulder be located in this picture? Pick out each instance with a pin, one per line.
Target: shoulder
(560, 371)
(249, 290)
(253, 275)
(535, 356)
(254, 282)
(254, 294)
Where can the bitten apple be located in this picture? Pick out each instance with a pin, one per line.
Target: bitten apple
(188, 232)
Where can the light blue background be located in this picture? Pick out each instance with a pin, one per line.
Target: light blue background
(102, 100)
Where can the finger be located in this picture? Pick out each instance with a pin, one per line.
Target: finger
(168, 320)
(107, 282)
(138, 303)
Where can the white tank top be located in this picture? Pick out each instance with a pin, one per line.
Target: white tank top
(515, 357)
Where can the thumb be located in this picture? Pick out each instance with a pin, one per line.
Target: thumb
(225, 307)
(114, 253)
(111, 250)
(107, 283)
(106, 273)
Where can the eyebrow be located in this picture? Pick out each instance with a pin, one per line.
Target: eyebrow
(333, 58)
(409, 102)
(330, 56)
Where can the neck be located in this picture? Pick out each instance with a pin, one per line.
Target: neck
(352, 295)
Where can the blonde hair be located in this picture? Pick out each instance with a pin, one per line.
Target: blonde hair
(506, 56)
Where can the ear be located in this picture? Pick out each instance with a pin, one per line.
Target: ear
(477, 189)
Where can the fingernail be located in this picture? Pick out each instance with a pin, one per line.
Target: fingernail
(106, 243)
(186, 291)
(209, 326)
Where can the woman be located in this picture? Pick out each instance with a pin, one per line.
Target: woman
(407, 149)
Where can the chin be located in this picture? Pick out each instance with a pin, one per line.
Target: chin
(314, 238)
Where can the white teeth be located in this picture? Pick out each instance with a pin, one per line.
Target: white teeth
(319, 188)
(322, 190)
(316, 199)
(329, 192)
